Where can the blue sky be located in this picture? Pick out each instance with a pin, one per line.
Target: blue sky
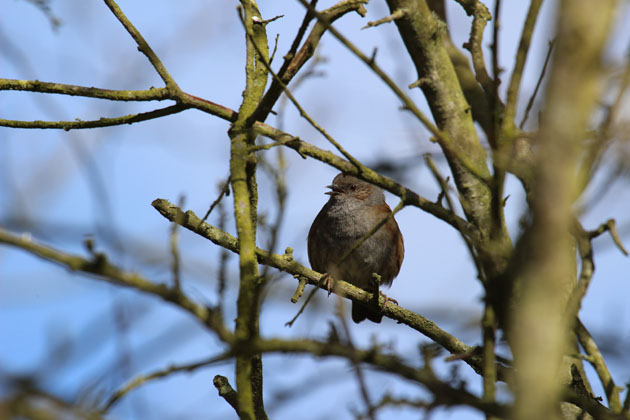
(106, 335)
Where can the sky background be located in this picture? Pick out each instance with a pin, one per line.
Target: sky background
(82, 338)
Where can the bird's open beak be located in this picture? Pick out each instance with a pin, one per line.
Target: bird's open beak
(335, 190)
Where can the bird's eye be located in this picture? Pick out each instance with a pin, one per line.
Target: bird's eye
(353, 187)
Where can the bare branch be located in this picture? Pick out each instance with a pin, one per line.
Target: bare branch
(225, 190)
(287, 264)
(101, 122)
(153, 94)
(481, 16)
(445, 393)
(358, 369)
(441, 136)
(301, 285)
(396, 15)
(143, 46)
(174, 247)
(299, 291)
(611, 227)
(305, 115)
(530, 103)
(410, 198)
(521, 57)
(162, 373)
(104, 270)
(295, 61)
(226, 391)
(249, 369)
(596, 359)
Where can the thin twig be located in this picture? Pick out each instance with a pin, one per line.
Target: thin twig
(143, 46)
(101, 122)
(304, 114)
(585, 249)
(225, 190)
(102, 269)
(481, 16)
(411, 197)
(358, 370)
(298, 291)
(489, 344)
(287, 264)
(497, 138)
(277, 172)
(611, 227)
(450, 394)
(175, 266)
(387, 400)
(530, 103)
(372, 231)
(294, 60)
(283, 142)
(584, 240)
(451, 208)
(191, 101)
(266, 21)
(493, 99)
(444, 139)
(301, 147)
(153, 94)
(596, 359)
(158, 374)
(399, 13)
(226, 391)
(521, 58)
(594, 153)
(184, 100)
(223, 263)
(301, 310)
(297, 40)
(275, 48)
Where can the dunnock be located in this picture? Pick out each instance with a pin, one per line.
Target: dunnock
(354, 208)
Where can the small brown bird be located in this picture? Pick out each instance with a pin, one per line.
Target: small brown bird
(353, 209)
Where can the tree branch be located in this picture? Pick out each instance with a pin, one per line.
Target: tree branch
(540, 322)
(410, 197)
(287, 264)
(143, 47)
(451, 147)
(162, 373)
(597, 361)
(244, 186)
(226, 391)
(481, 15)
(509, 117)
(444, 393)
(101, 122)
(530, 103)
(100, 267)
(295, 61)
(153, 94)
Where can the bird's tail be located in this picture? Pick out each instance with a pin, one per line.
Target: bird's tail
(360, 313)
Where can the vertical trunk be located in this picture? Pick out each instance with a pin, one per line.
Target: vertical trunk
(540, 325)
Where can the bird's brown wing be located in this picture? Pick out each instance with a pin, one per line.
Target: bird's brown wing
(317, 256)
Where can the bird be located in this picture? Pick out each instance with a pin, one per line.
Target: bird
(354, 208)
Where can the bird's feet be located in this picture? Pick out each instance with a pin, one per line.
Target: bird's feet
(388, 299)
(327, 280)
